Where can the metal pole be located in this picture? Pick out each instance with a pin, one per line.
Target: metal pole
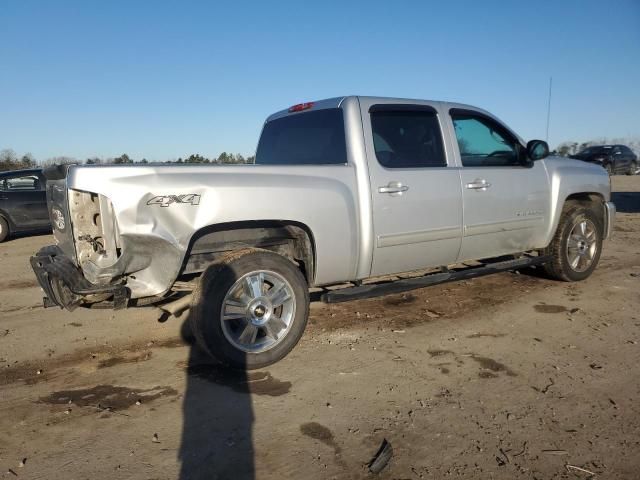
(549, 107)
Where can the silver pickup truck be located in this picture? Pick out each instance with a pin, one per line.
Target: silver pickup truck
(343, 191)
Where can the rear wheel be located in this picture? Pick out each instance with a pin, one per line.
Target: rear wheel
(576, 245)
(609, 169)
(250, 309)
(633, 168)
(4, 229)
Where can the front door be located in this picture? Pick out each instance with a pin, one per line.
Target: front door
(417, 203)
(506, 199)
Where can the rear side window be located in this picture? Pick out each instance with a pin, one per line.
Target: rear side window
(310, 138)
(27, 182)
(407, 138)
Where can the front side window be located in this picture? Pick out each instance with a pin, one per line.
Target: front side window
(483, 142)
(309, 138)
(407, 139)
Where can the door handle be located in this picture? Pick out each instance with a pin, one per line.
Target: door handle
(478, 184)
(393, 188)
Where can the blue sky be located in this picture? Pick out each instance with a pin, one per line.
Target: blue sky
(166, 79)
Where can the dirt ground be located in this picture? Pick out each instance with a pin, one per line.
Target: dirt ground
(508, 376)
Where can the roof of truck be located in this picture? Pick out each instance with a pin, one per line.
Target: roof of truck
(336, 102)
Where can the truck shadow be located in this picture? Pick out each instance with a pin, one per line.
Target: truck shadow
(626, 202)
(217, 440)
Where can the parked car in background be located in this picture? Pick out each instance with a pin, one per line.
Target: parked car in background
(614, 158)
(23, 202)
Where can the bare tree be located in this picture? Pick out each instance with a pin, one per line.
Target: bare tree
(59, 161)
(9, 160)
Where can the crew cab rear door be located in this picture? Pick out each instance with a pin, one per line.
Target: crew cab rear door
(416, 194)
(506, 199)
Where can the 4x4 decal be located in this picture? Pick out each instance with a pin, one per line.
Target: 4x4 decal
(166, 200)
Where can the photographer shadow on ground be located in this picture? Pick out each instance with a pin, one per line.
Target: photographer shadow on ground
(217, 440)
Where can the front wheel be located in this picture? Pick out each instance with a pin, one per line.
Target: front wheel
(609, 169)
(633, 168)
(250, 309)
(576, 245)
(4, 229)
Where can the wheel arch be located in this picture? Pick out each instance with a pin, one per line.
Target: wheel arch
(291, 239)
(587, 198)
(592, 199)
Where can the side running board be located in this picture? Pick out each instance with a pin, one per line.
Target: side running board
(404, 285)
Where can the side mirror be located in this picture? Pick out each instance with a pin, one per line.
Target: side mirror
(537, 150)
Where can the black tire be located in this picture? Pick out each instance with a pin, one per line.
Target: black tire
(209, 296)
(609, 169)
(633, 168)
(4, 229)
(560, 266)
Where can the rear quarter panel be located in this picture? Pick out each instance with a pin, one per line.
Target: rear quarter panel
(320, 197)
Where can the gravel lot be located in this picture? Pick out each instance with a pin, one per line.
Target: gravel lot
(509, 376)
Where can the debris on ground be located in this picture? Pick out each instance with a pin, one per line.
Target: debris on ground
(546, 388)
(579, 469)
(555, 452)
(381, 458)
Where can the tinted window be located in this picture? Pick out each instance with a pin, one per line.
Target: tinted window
(483, 142)
(407, 139)
(310, 138)
(27, 182)
(596, 151)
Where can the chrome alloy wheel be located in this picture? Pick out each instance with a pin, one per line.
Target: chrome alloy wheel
(258, 311)
(582, 245)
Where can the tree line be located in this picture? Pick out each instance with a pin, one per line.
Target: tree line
(10, 160)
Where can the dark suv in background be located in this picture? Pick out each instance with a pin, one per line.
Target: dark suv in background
(23, 202)
(614, 158)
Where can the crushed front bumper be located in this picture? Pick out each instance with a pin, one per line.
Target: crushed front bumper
(65, 286)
